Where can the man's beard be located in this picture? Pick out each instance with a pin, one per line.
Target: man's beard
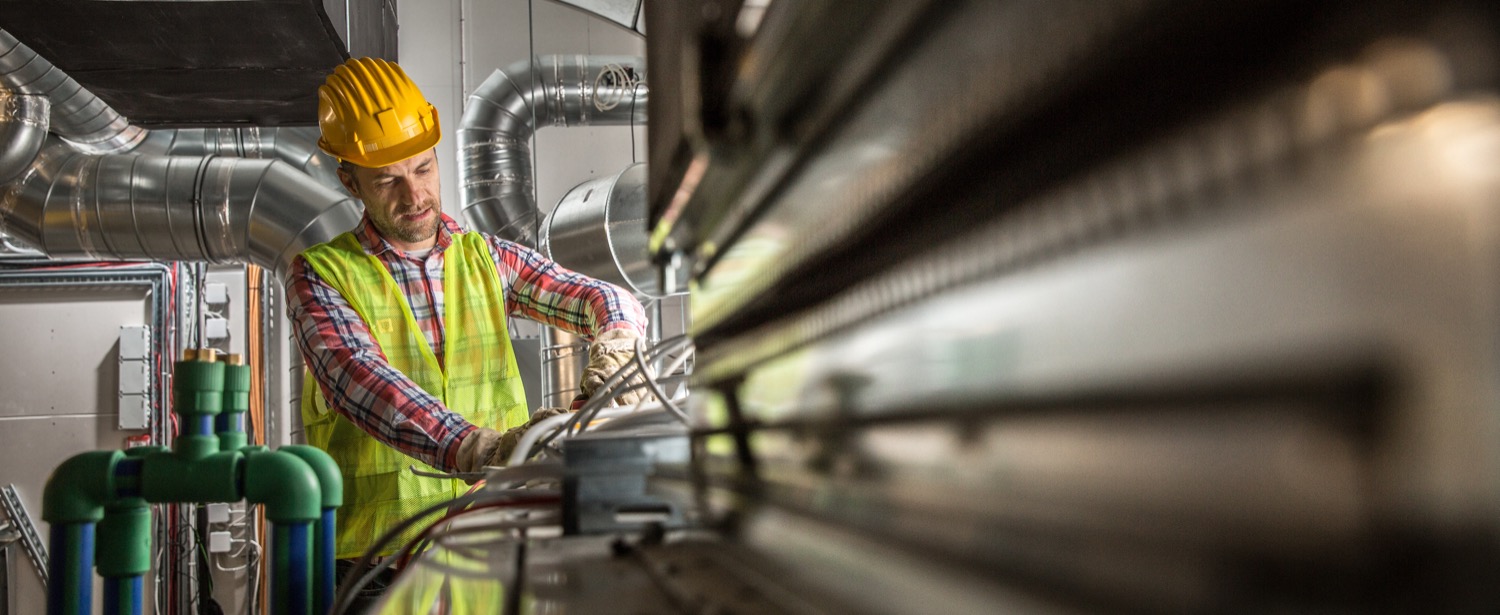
(410, 232)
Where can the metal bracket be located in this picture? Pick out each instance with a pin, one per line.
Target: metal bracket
(30, 541)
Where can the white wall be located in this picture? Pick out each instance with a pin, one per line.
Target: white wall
(498, 33)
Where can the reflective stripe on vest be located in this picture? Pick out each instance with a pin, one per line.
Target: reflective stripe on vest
(480, 381)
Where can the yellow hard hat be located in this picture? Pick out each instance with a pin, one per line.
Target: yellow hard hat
(371, 114)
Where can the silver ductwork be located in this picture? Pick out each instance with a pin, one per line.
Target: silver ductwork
(564, 358)
(111, 191)
(494, 156)
(297, 146)
(23, 130)
(599, 229)
(140, 206)
(78, 115)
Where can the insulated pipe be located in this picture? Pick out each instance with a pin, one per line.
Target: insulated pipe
(171, 208)
(494, 156)
(78, 115)
(23, 130)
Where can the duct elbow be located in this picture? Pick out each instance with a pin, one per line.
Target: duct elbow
(23, 130)
(504, 112)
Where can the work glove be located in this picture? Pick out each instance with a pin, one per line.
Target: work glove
(610, 351)
(488, 447)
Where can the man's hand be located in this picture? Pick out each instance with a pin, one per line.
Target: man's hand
(487, 447)
(610, 351)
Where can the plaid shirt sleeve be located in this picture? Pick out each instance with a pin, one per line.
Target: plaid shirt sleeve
(541, 290)
(359, 382)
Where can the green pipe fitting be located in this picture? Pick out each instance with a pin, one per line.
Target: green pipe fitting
(170, 477)
(198, 395)
(329, 478)
(124, 539)
(79, 489)
(285, 484)
(231, 424)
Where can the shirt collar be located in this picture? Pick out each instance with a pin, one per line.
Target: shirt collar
(375, 244)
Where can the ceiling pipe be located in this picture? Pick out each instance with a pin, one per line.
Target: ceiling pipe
(173, 208)
(494, 155)
(78, 115)
(23, 130)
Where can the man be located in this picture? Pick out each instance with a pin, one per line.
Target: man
(402, 321)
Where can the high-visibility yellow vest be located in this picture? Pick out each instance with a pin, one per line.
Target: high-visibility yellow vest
(480, 381)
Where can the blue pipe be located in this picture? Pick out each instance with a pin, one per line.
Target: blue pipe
(324, 580)
(70, 573)
(124, 595)
(291, 571)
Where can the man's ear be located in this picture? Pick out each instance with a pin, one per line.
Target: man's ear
(347, 179)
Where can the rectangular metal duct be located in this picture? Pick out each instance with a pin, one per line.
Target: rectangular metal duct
(189, 63)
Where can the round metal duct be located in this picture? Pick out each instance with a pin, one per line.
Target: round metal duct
(599, 229)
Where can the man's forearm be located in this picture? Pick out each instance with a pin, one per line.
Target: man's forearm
(539, 289)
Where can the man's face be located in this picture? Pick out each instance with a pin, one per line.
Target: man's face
(402, 199)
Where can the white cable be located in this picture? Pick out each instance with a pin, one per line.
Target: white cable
(255, 549)
(622, 82)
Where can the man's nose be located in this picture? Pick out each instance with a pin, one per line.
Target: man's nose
(411, 192)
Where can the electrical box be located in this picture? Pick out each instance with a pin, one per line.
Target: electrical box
(216, 293)
(135, 412)
(135, 354)
(135, 343)
(135, 378)
(215, 328)
(217, 512)
(218, 542)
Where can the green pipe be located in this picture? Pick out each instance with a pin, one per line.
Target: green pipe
(230, 423)
(285, 484)
(72, 502)
(173, 477)
(124, 537)
(198, 396)
(79, 488)
(330, 480)
(332, 485)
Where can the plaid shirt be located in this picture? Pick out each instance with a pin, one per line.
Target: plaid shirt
(360, 384)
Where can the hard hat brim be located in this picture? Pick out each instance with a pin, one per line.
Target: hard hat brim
(387, 156)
